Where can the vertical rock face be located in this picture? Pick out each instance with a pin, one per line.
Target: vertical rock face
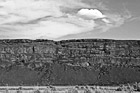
(69, 62)
(29, 58)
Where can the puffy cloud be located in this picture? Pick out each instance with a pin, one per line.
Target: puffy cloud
(92, 13)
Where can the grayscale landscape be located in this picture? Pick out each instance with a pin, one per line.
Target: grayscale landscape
(69, 46)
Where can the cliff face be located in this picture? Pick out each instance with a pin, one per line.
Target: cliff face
(70, 62)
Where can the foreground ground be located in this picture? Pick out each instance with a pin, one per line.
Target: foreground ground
(62, 89)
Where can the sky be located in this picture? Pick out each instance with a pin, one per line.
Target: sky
(69, 19)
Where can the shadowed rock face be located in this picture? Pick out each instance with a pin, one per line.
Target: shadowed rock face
(70, 62)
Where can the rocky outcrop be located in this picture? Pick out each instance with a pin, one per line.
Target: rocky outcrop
(69, 62)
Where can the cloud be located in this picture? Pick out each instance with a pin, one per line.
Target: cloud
(34, 19)
(92, 13)
(114, 20)
(105, 21)
(52, 28)
(32, 9)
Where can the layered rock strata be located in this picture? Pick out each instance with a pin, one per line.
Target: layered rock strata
(69, 62)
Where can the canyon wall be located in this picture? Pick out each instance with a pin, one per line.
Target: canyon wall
(69, 62)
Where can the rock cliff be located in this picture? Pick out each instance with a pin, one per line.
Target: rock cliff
(69, 62)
